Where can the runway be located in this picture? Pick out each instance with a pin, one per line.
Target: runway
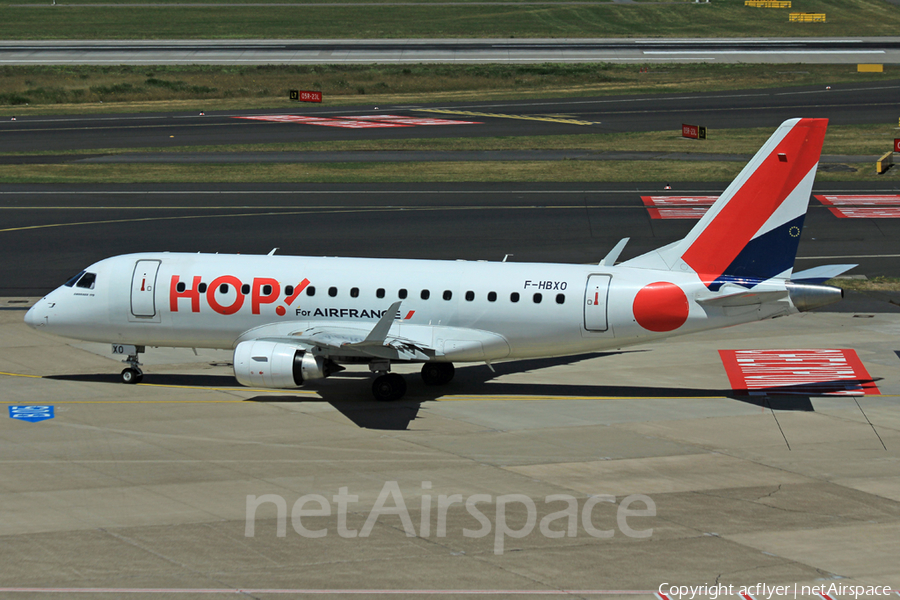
(885, 50)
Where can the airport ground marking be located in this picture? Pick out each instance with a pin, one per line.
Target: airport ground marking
(843, 206)
(357, 122)
(808, 372)
(862, 206)
(547, 118)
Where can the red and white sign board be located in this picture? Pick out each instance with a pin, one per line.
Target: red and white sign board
(360, 122)
(823, 372)
(896, 144)
(306, 96)
(862, 206)
(678, 207)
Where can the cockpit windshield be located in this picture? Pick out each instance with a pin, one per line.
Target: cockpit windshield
(72, 281)
(87, 281)
(83, 280)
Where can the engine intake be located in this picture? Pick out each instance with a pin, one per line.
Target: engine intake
(275, 365)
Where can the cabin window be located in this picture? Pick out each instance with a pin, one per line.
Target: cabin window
(245, 289)
(402, 293)
(72, 281)
(201, 288)
(266, 290)
(514, 297)
(311, 290)
(354, 292)
(560, 298)
(448, 294)
(289, 290)
(379, 293)
(223, 288)
(87, 281)
(180, 287)
(425, 294)
(538, 298)
(332, 291)
(470, 295)
(492, 296)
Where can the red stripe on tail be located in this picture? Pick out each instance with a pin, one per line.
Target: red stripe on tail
(751, 206)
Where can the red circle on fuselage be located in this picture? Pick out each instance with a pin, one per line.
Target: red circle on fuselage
(660, 306)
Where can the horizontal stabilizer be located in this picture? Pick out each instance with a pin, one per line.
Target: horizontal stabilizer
(821, 274)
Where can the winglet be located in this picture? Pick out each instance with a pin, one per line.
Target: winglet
(379, 333)
(610, 259)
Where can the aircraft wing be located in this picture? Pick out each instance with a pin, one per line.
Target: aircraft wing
(387, 340)
(343, 340)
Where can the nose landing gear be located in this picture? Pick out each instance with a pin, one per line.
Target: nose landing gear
(133, 374)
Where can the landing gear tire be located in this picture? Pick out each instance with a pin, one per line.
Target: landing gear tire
(132, 376)
(388, 387)
(437, 373)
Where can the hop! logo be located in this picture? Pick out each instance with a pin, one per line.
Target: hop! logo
(263, 290)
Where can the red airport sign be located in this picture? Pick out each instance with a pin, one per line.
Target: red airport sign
(693, 131)
(897, 145)
(305, 96)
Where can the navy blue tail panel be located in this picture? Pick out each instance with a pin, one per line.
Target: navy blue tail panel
(764, 257)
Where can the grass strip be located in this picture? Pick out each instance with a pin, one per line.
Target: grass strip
(876, 284)
(517, 171)
(722, 18)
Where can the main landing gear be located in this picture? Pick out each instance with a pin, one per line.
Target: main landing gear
(437, 373)
(133, 374)
(388, 387)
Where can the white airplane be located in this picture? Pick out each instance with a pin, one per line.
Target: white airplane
(295, 319)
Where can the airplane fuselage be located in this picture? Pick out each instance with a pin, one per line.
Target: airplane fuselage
(524, 309)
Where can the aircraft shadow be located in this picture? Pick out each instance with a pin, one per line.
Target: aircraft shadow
(349, 392)
(173, 379)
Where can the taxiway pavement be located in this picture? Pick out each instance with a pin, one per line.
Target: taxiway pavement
(472, 51)
(147, 487)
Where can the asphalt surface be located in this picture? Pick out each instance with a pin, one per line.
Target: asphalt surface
(354, 156)
(842, 104)
(794, 51)
(51, 232)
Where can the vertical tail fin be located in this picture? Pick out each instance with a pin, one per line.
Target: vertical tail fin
(752, 231)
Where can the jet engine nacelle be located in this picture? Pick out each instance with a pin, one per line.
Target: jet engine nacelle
(275, 365)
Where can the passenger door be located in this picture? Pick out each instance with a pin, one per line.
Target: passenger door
(596, 295)
(143, 289)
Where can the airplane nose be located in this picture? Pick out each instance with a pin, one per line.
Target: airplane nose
(34, 317)
(29, 317)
